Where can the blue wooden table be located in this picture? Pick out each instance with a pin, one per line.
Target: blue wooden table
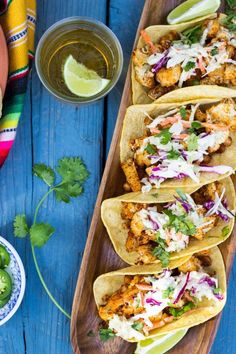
(48, 131)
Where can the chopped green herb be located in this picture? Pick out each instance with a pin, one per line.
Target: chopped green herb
(181, 223)
(160, 252)
(106, 334)
(155, 195)
(176, 312)
(217, 291)
(150, 148)
(138, 326)
(165, 136)
(194, 126)
(162, 255)
(225, 231)
(183, 112)
(192, 35)
(40, 233)
(192, 142)
(214, 51)
(173, 154)
(168, 292)
(190, 65)
(230, 22)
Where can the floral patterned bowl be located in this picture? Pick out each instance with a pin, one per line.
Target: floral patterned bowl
(17, 273)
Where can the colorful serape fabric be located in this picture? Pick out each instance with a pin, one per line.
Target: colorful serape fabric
(17, 18)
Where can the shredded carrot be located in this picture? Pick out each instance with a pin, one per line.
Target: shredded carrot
(144, 286)
(200, 64)
(155, 131)
(148, 41)
(180, 136)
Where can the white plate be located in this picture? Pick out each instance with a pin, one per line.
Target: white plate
(17, 273)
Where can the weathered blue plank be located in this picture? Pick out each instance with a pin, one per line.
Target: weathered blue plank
(56, 130)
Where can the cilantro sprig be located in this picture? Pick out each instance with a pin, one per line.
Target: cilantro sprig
(160, 251)
(106, 334)
(192, 35)
(73, 174)
(176, 312)
(230, 21)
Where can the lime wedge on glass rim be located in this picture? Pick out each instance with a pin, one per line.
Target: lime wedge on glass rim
(160, 344)
(82, 81)
(192, 9)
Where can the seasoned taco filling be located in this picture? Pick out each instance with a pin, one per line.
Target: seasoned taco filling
(180, 143)
(157, 230)
(204, 54)
(147, 302)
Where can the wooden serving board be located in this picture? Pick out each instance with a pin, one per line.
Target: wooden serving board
(99, 255)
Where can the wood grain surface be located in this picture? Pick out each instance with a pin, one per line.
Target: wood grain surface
(49, 130)
(99, 256)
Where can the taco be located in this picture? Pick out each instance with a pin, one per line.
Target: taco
(178, 145)
(168, 57)
(143, 302)
(157, 231)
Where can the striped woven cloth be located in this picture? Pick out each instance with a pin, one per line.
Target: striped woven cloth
(17, 18)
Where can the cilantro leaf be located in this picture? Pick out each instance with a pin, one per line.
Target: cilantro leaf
(168, 292)
(106, 333)
(183, 112)
(150, 148)
(44, 172)
(72, 169)
(138, 326)
(216, 291)
(230, 21)
(214, 51)
(192, 35)
(160, 252)
(225, 231)
(20, 226)
(194, 126)
(165, 136)
(192, 142)
(181, 223)
(40, 234)
(190, 65)
(173, 154)
(176, 312)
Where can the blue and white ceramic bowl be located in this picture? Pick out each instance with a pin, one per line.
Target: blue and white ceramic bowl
(17, 273)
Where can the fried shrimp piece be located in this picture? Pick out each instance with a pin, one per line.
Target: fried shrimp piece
(169, 77)
(201, 231)
(193, 264)
(213, 26)
(224, 112)
(158, 91)
(158, 322)
(129, 209)
(116, 302)
(230, 50)
(215, 77)
(131, 174)
(220, 139)
(141, 158)
(145, 76)
(166, 40)
(207, 192)
(230, 74)
(204, 257)
(145, 254)
(136, 225)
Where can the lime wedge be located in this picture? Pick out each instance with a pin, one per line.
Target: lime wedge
(191, 9)
(160, 344)
(82, 81)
